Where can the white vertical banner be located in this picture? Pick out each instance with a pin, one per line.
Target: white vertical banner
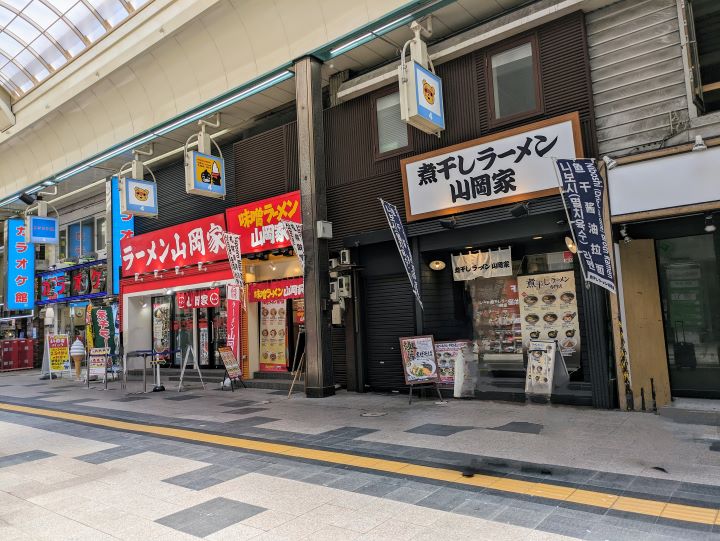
(232, 246)
(294, 231)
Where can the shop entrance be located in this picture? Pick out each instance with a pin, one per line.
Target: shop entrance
(690, 292)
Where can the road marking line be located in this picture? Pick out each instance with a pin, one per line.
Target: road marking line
(640, 506)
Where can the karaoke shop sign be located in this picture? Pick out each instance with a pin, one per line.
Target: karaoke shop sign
(260, 224)
(502, 168)
(199, 241)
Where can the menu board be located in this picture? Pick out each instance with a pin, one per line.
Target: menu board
(548, 311)
(273, 336)
(449, 355)
(546, 368)
(58, 352)
(98, 361)
(418, 358)
(232, 366)
(496, 315)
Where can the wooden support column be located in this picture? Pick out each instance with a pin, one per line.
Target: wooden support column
(319, 380)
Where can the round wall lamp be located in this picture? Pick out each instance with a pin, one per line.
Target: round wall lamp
(437, 265)
(571, 245)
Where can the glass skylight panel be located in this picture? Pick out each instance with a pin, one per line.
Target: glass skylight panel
(38, 36)
(66, 37)
(40, 14)
(86, 22)
(23, 29)
(110, 10)
(51, 54)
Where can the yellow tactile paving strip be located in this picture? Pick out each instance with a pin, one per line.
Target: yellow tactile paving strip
(640, 506)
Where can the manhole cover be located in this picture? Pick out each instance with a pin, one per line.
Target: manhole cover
(373, 414)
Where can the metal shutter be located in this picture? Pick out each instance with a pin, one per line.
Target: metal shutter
(389, 314)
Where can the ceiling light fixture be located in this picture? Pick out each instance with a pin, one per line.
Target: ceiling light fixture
(537, 237)
(437, 265)
(571, 246)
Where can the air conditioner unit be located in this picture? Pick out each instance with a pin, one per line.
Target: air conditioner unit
(334, 262)
(344, 288)
(334, 291)
(345, 257)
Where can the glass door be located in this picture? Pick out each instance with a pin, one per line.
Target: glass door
(690, 291)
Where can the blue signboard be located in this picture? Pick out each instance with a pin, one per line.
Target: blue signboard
(123, 227)
(429, 96)
(43, 230)
(583, 194)
(20, 256)
(139, 197)
(401, 240)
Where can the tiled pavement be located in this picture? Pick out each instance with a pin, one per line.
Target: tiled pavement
(218, 493)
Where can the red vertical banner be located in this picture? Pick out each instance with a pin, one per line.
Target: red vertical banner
(234, 305)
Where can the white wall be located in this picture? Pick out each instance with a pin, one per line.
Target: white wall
(137, 326)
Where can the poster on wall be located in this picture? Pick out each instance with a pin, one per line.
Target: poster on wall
(496, 318)
(161, 326)
(418, 358)
(58, 352)
(449, 355)
(548, 311)
(273, 336)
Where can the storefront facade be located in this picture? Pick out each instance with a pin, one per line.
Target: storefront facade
(180, 297)
(668, 261)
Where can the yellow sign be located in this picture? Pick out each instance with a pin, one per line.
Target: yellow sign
(59, 352)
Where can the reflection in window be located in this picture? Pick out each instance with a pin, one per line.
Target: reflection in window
(392, 132)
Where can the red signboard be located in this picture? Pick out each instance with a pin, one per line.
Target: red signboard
(290, 288)
(258, 224)
(199, 241)
(201, 298)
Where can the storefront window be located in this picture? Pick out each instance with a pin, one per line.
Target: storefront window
(690, 291)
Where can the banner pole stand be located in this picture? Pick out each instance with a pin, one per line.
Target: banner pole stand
(410, 396)
(301, 366)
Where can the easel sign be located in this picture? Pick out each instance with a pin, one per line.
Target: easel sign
(233, 370)
(98, 362)
(59, 353)
(419, 363)
(546, 368)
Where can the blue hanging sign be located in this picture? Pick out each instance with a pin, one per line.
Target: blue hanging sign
(43, 230)
(583, 194)
(20, 257)
(204, 175)
(138, 197)
(123, 227)
(401, 240)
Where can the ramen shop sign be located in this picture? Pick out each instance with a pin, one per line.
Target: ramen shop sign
(514, 165)
(201, 298)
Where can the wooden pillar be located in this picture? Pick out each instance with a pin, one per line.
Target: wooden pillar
(319, 380)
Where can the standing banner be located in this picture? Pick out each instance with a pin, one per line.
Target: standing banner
(103, 327)
(401, 240)
(583, 190)
(418, 358)
(490, 264)
(233, 318)
(20, 267)
(449, 355)
(232, 246)
(294, 231)
(58, 352)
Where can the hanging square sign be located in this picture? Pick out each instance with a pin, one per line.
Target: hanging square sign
(138, 197)
(204, 175)
(43, 230)
(421, 98)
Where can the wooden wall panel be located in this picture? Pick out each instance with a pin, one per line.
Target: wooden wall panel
(644, 325)
(637, 74)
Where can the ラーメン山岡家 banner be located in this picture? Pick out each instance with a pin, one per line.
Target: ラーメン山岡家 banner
(583, 195)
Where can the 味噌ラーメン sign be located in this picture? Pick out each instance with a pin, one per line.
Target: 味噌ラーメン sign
(261, 225)
(514, 165)
(289, 288)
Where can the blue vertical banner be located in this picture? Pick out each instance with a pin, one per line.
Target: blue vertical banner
(401, 240)
(20, 257)
(583, 192)
(123, 227)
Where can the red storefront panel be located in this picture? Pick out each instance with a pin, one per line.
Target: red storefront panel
(199, 241)
(258, 224)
